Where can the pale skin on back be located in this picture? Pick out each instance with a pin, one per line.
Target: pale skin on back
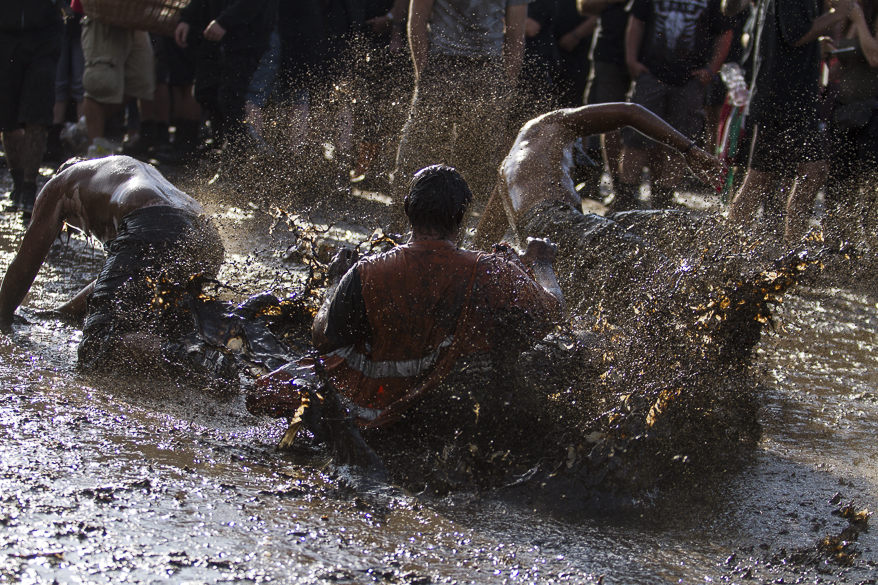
(539, 162)
(93, 197)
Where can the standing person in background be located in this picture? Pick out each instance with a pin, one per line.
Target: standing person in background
(609, 80)
(313, 80)
(385, 74)
(466, 64)
(787, 140)
(673, 49)
(68, 81)
(850, 201)
(573, 35)
(30, 35)
(232, 36)
(119, 65)
(541, 58)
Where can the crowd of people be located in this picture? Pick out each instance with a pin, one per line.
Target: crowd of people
(386, 87)
(539, 80)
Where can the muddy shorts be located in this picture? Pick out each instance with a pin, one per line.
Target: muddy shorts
(154, 244)
(118, 62)
(27, 77)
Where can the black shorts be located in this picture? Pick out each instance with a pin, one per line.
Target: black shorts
(28, 64)
(780, 146)
(154, 243)
(181, 62)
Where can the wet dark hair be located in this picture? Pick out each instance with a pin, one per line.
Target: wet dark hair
(437, 199)
(69, 163)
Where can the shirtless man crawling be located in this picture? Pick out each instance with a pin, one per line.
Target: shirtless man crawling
(540, 200)
(149, 228)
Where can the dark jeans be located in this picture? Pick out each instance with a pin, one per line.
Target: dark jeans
(222, 77)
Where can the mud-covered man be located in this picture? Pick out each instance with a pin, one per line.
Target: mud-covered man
(397, 324)
(150, 230)
(540, 199)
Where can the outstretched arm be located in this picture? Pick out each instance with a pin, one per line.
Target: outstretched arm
(603, 118)
(45, 226)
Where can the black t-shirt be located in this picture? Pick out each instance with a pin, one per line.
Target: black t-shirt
(609, 37)
(787, 84)
(679, 34)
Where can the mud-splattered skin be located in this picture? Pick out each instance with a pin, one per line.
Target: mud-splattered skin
(538, 165)
(92, 196)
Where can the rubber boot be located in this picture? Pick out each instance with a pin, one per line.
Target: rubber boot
(625, 198)
(185, 143)
(28, 197)
(162, 135)
(14, 203)
(662, 197)
(54, 151)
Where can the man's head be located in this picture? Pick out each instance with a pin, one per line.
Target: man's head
(437, 200)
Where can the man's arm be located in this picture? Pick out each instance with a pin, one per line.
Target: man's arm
(571, 40)
(345, 284)
(78, 305)
(603, 118)
(419, 42)
(733, 7)
(46, 224)
(824, 23)
(513, 40)
(633, 41)
(721, 45)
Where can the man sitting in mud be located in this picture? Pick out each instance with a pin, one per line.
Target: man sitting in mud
(150, 229)
(398, 323)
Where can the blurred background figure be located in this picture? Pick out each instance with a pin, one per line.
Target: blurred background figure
(30, 43)
(231, 36)
(851, 197)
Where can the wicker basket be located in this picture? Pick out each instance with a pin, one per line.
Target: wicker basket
(155, 16)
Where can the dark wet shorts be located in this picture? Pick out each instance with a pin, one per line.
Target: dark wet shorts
(154, 243)
(779, 146)
(28, 63)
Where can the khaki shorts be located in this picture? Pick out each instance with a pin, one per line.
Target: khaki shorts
(118, 63)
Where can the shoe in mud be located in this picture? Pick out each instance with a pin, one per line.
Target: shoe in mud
(14, 203)
(100, 148)
(28, 198)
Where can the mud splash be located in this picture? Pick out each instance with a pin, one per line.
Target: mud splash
(113, 479)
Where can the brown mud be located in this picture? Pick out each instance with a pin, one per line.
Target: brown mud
(147, 479)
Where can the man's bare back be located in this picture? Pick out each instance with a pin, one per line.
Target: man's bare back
(93, 196)
(538, 165)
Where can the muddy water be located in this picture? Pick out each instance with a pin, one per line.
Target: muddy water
(113, 479)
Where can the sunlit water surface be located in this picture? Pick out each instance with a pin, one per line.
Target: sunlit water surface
(148, 480)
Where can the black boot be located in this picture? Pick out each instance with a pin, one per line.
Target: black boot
(28, 197)
(14, 203)
(662, 197)
(625, 198)
(54, 150)
(183, 149)
(162, 136)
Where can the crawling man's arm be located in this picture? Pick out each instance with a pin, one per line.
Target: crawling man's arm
(45, 225)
